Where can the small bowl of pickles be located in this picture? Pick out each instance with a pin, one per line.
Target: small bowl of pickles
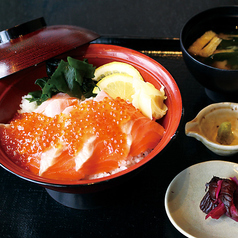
(209, 43)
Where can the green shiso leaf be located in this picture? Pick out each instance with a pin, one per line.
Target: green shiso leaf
(73, 77)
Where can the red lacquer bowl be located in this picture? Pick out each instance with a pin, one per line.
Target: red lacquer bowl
(13, 87)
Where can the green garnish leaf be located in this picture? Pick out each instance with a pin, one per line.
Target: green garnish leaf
(73, 77)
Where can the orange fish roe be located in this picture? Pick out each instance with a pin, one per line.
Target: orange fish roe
(102, 119)
(31, 134)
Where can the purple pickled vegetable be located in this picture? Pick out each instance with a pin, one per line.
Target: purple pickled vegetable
(221, 198)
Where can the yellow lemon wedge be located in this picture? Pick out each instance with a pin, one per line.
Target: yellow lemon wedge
(116, 67)
(117, 85)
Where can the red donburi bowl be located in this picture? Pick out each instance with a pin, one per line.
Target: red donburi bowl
(13, 87)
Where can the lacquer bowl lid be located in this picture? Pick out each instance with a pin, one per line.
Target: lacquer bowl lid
(34, 42)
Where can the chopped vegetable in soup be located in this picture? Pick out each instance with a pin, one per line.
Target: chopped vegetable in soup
(217, 50)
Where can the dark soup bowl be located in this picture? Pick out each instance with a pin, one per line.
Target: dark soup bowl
(220, 83)
(70, 193)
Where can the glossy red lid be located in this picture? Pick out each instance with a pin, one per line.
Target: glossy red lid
(33, 42)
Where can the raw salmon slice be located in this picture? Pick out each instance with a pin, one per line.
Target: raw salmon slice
(57, 104)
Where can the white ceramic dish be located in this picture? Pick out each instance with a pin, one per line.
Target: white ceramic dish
(183, 196)
(205, 125)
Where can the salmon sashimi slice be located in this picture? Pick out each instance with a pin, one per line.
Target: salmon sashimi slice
(104, 158)
(94, 164)
(63, 168)
(57, 104)
(146, 134)
(69, 139)
(69, 165)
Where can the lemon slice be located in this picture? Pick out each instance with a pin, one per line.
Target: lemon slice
(116, 67)
(117, 85)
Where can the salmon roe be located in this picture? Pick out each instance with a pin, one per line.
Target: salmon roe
(31, 134)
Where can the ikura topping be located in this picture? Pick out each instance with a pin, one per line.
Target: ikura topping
(30, 133)
(86, 138)
(221, 198)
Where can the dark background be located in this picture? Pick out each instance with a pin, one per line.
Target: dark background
(147, 18)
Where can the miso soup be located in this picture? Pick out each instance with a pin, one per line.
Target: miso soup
(217, 50)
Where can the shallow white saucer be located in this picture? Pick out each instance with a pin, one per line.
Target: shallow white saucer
(183, 196)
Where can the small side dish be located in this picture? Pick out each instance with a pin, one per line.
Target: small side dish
(184, 194)
(216, 126)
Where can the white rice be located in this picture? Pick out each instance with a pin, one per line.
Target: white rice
(26, 105)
